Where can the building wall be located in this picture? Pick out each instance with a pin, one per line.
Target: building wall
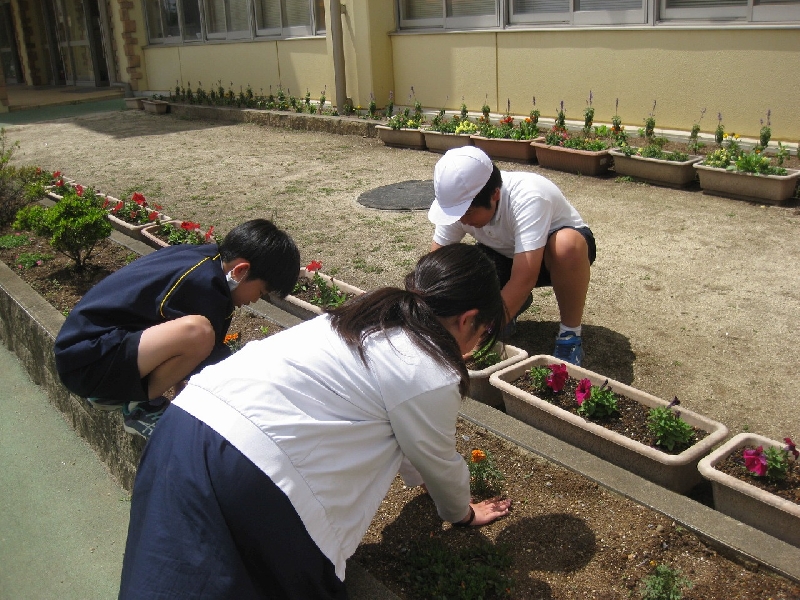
(740, 73)
(296, 65)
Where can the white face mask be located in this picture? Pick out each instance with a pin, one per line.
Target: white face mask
(232, 283)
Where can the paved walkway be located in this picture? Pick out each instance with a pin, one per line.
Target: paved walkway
(63, 521)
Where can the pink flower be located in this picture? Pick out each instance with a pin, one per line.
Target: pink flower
(755, 461)
(314, 265)
(583, 392)
(558, 377)
(790, 447)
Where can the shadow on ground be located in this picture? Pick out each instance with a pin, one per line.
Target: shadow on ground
(606, 351)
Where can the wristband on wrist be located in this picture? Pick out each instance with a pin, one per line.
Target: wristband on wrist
(469, 521)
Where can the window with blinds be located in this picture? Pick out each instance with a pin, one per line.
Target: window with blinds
(738, 10)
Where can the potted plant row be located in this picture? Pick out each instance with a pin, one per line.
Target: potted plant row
(314, 292)
(508, 140)
(403, 129)
(756, 480)
(175, 232)
(133, 215)
(681, 438)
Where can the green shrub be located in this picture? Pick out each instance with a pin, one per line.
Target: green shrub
(74, 225)
(665, 583)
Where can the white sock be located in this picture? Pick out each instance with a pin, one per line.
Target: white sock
(564, 329)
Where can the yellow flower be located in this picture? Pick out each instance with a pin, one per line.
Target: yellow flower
(478, 456)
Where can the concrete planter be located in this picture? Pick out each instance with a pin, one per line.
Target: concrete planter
(401, 138)
(582, 162)
(134, 103)
(437, 141)
(770, 189)
(668, 173)
(498, 148)
(677, 472)
(480, 389)
(158, 107)
(305, 310)
(132, 230)
(748, 503)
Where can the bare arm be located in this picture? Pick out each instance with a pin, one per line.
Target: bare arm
(435, 246)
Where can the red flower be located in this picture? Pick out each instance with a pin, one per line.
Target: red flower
(790, 447)
(756, 461)
(119, 206)
(189, 226)
(106, 202)
(583, 392)
(60, 183)
(56, 174)
(79, 190)
(558, 377)
(133, 214)
(139, 199)
(152, 216)
(507, 120)
(314, 265)
(209, 233)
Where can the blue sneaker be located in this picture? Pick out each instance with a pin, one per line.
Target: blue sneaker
(569, 348)
(140, 418)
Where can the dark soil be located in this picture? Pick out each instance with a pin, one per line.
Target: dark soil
(630, 419)
(569, 537)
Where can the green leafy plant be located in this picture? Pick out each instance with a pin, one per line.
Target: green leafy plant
(617, 130)
(135, 210)
(694, 143)
(468, 572)
(665, 583)
(28, 260)
(323, 293)
(486, 109)
(719, 132)
(588, 115)
(766, 131)
(772, 463)
(668, 427)
(74, 225)
(389, 111)
(14, 240)
(595, 402)
(187, 232)
(484, 476)
(650, 123)
(485, 357)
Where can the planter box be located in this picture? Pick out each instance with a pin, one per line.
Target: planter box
(436, 141)
(134, 103)
(747, 503)
(480, 389)
(305, 310)
(150, 238)
(401, 138)
(583, 162)
(506, 149)
(772, 189)
(158, 107)
(132, 230)
(656, 171)
(677, 472)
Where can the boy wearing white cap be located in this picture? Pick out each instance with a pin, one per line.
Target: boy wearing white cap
(524, 223)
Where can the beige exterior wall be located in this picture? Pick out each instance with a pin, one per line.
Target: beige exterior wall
(296, 65)
(740, 73)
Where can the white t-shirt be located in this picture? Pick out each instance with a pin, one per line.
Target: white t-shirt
(332, 433)
(530, 208)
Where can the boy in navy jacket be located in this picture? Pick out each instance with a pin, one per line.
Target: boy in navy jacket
(147, 327)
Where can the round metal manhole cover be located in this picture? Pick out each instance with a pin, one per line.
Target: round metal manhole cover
(405, 195)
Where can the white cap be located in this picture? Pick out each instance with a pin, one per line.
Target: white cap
(457, 178)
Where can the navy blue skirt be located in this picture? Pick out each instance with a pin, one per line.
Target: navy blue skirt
(207, 523)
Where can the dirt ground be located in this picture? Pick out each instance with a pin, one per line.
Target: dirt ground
(691, 295)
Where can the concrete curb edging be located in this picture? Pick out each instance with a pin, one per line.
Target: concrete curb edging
(29, 324)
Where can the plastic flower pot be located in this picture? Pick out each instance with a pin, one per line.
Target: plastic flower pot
(401, 138)
(677, 472)
(132, 230)
(583, 162)
(305, 310)
(668, 173)
(500, 148)
(134, 103)
(480, 389)
(158, 107)
(150, 237)
(436, 141)
(748, 503)
(770, 189)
